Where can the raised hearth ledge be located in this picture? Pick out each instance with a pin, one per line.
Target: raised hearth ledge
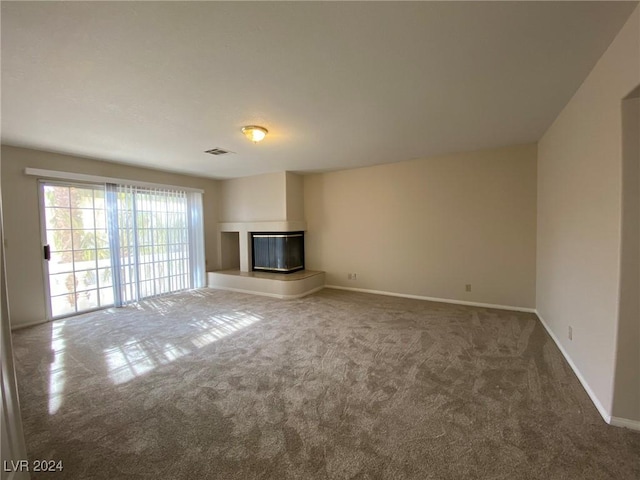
(278, 285)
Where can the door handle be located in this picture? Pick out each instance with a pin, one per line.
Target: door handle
(47, 252)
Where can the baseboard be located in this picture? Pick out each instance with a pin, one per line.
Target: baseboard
(606, 416)
(17, 475)
(272, 295)
(626, 423)
(26, 325)
(434, 299)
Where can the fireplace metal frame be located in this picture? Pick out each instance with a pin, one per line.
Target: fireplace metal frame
(289, 269)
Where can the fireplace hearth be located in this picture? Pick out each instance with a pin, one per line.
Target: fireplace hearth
(281, 252)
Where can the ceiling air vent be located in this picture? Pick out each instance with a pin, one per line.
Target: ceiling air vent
(218, 151)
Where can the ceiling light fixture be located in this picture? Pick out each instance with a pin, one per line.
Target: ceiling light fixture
(254, 133)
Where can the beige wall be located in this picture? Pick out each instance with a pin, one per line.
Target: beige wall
(429, 227)
(295, 197)
(12, 437)
(22, 222)
(626, 395)
(270, 202)
(229, 250)
(260, 198)
(579, 215)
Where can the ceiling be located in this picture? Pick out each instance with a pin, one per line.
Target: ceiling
(337, 84)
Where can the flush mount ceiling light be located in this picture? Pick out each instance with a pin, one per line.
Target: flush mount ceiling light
(254, 133)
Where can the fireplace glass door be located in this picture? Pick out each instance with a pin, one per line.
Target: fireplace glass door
(278, 252)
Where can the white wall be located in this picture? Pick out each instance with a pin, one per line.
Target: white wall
(22, 222)
(579, 215)
(429, 227)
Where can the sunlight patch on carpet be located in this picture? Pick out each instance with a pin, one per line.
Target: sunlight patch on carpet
(219, 326)
(137, 357)
(56, 370)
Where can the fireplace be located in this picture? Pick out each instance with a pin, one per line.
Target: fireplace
(281, 252)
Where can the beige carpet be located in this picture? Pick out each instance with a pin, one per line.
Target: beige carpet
(337, 385)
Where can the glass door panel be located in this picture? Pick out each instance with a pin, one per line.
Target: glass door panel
(79, 265)
(153, 242)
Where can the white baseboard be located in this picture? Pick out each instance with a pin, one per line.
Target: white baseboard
(606, 416)
(272, 295)
(435, 299)
(626, 423)
(594, 398)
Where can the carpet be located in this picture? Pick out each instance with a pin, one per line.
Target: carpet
(338, 385)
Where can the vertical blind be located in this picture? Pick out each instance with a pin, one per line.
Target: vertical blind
(156, 240)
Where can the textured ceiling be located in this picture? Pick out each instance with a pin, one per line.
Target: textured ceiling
(338, 84)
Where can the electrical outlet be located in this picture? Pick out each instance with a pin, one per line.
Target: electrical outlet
(570, 333)
(468, 287)
(355, 276)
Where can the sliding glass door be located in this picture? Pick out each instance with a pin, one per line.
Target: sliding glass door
(152, 248)
(77, 247)
(116, 244)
